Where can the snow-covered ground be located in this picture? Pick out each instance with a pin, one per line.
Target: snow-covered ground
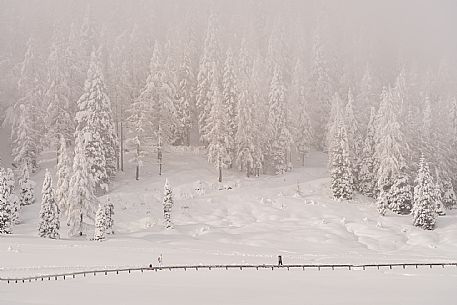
(253, 222)
(236, 287)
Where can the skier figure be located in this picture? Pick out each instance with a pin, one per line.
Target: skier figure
(279, 260)
(160, 259)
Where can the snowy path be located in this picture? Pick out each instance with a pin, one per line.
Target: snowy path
(247, 287)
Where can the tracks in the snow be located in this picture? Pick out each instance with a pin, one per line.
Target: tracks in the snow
(69, 275)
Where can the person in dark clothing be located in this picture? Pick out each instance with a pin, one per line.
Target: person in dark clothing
(279, 260)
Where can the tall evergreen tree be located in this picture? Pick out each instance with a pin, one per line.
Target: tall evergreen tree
(230, 96)
(185, 102)
(367, 179)
(80, 197)
(319, 90)
(25, 147)
(245, 133)
(49, 214)
(249, 150)
(60, 108)
(141, 128)
(279, 135)
(63, 174)
(354, 138)
(13, 199)
(304, 133)
(424, 206)
(340, 164)
(209, 66)
(94, 120)
(160, 91)
(218, 136)
(366, 99)
(388, 149)
(28, 123)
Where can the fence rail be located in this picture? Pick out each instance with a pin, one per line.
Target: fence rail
(68, 275)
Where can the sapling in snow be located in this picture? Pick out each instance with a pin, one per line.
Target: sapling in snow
(6, 211)
(100, 223)
(167, 205)
(424, 205)
(27, 187)
(49, 213)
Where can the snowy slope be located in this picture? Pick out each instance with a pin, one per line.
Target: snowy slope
(256, 220)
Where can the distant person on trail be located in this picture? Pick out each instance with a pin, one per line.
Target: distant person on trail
(279, 260)
(160, 259)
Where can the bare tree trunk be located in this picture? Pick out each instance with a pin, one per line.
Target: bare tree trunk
(220, 169)
(122, 147)
(137, 176)
(188, 137)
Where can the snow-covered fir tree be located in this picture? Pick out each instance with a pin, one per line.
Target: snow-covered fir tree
(383, 202)
(424, 205)
(388, 148)
(367, 178)
(230, 97)
(109, 211)
(80, 196)
(13, 199)
(304, 137)
(367, 98)
(185, 102)
(448, 196)
(63, 175)
(217, 135)
(160, 91)
(60, 108)
(27, 187)
(245, 135)
(342, 182)
(141, 126)
(319, 90)
(249, 152)
(401, 195)
(28, 124)
(6, 210)
(100, 223)
(438, 196)
(280, 138)
(95, 121)
(354, 138)
(209, 66)
(276, 53)
(167, 205)
(25, 146)
(49, 213)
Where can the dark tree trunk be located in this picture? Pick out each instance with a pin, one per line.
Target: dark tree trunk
(220, 173)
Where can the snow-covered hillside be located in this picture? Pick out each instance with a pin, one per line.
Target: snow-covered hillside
(244, 220)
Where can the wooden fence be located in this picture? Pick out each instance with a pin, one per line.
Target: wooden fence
(69, 275)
